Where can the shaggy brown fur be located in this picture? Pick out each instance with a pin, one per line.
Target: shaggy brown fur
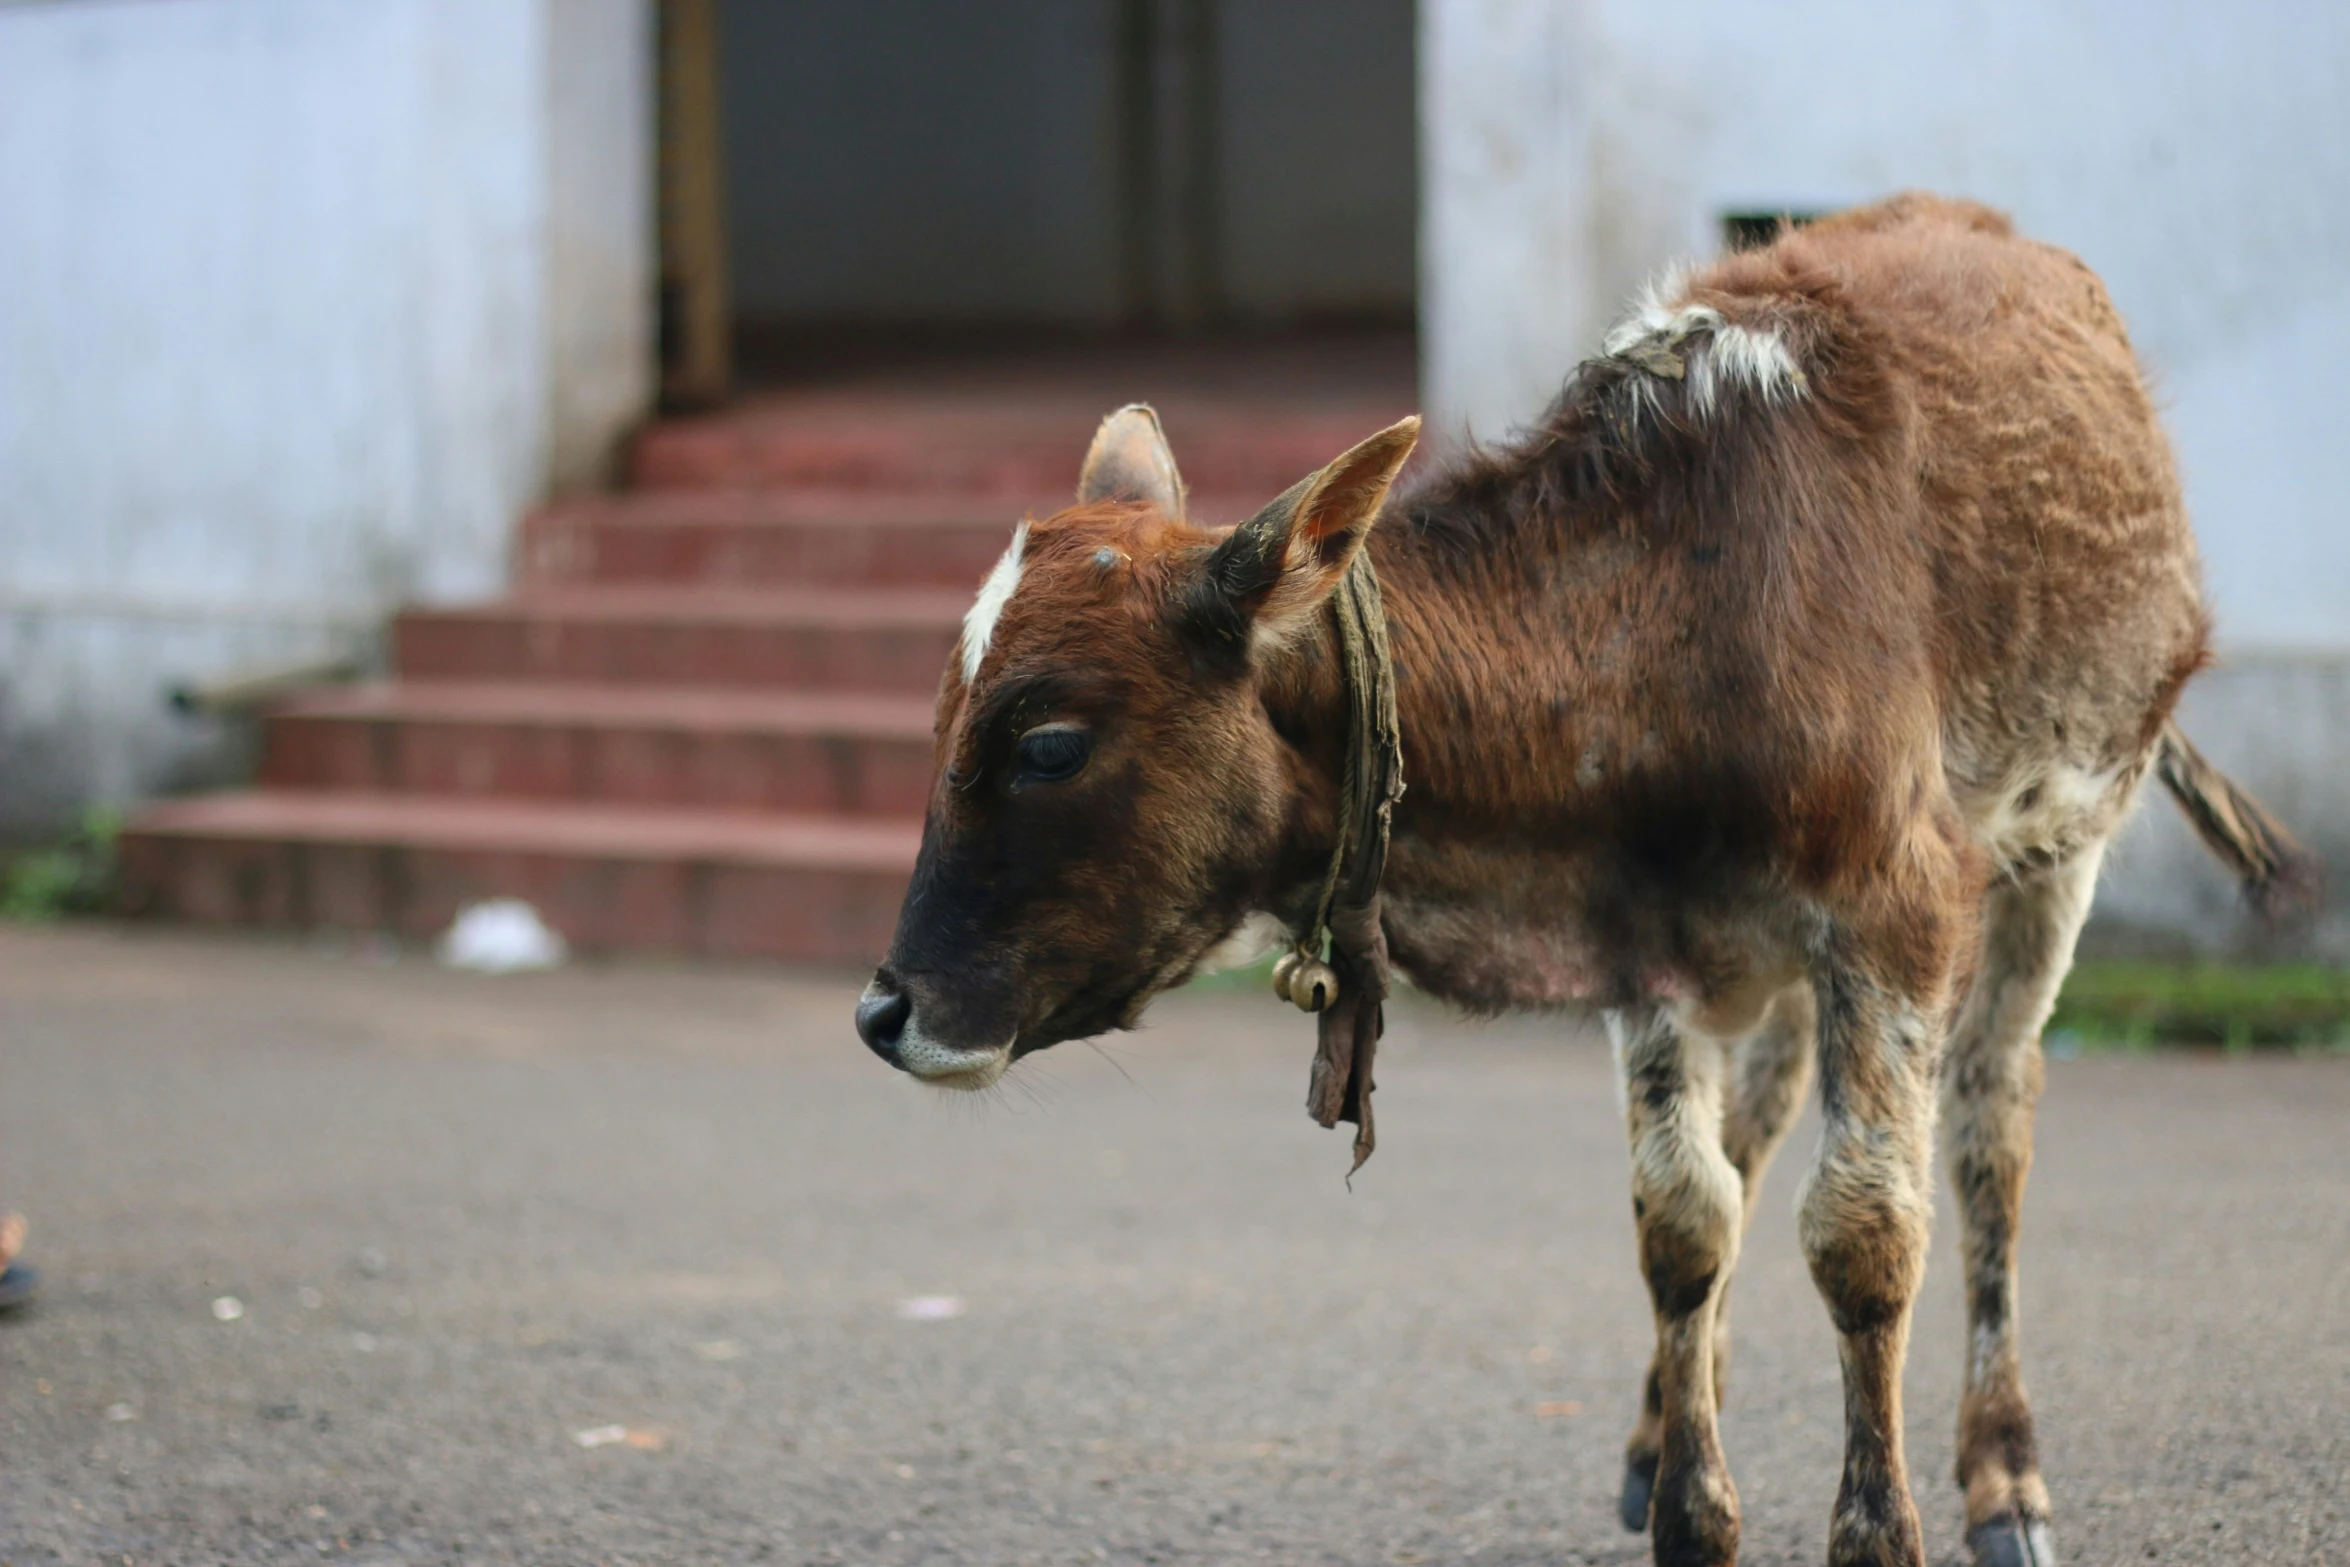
(1777, 695)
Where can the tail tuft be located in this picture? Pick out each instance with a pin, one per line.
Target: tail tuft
(2281, 879)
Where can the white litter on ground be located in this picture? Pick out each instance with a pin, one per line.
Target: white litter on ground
(227, 1308)
(600, 1436)
(931, 1308)
(502, 936)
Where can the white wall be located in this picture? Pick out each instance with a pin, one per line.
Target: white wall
(301, 305)
(2197, 156)
(2280, 724)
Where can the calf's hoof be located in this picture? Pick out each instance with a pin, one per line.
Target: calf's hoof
(1639, 1488)
(1694, 1520)
(1884, 1535)
(2013, 1539)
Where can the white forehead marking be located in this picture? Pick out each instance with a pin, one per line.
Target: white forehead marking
(979, 623)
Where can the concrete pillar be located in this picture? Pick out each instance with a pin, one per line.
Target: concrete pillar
(1506, 248)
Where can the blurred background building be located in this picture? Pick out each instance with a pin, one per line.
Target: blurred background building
(670, 369)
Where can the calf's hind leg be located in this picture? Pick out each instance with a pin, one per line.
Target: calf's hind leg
(1991, 1084)
(1768, 1073)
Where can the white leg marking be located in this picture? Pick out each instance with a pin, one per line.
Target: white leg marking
(2051, 806)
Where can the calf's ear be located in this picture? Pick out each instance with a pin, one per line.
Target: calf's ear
(1130, 461)
(1265, 583)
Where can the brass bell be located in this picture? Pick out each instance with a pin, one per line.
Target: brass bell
(1313, 985)
(1284, 966)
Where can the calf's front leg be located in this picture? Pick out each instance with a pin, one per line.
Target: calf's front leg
(1767, 1074)
(1687, 1202)
(1863, 1219)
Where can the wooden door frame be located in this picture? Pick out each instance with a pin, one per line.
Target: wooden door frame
(696, 309)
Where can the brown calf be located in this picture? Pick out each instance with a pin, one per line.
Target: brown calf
(1777, 695)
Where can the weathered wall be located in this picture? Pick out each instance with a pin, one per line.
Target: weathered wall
(2198, 157)
(300, 306)
(2280, 723)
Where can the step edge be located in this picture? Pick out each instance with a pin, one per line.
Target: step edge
(498, 825)
(559, 704)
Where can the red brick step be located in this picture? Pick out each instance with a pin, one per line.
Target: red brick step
(608, 877)
(872, 639)
(748, 538)
(1027, 447)
(807, 751)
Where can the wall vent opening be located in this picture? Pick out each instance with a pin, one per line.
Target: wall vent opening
(1753, 228)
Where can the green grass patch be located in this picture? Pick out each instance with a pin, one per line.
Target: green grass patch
(74, 875)
(2132, 1005)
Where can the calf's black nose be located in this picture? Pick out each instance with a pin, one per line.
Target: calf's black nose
(881, 1020)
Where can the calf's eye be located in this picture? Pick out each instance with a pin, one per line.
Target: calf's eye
(1053, 754)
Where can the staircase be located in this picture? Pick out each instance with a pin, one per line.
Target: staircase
(701, 722)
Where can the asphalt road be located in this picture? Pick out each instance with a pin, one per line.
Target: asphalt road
(684, 1213)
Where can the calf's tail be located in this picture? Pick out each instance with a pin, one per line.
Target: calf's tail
(2280, 878)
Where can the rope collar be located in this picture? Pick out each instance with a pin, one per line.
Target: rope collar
(1348, 990)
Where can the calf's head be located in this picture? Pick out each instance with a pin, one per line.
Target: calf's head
(1113, 795)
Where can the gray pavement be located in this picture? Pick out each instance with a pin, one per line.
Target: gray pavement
(468, 1220)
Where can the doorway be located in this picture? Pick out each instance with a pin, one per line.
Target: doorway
(911, 178)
